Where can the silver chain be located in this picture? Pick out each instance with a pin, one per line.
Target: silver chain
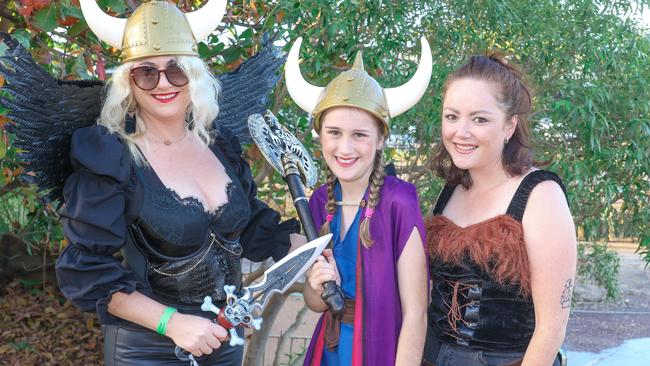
(237, 253)
(187, 270)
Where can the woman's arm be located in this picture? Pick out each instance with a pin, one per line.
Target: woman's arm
(550, 239)
(194, 334)
(412, 281)
(321, 271)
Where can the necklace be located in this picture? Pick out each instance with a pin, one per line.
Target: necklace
(168, 142)
(361, 204)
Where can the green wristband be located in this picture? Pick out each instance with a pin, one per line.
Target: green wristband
(164, 319)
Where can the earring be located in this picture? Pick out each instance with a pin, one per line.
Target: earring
(505, 141)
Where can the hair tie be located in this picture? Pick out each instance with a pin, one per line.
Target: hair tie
(369, 212)
(329, 217)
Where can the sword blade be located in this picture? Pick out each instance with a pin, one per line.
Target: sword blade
(279, 277)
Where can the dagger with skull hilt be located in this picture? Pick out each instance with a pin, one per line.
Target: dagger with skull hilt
(286, 154)
(238, 310)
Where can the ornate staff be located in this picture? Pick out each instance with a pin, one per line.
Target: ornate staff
(290, 158)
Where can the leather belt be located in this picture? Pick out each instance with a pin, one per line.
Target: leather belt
(333, 325)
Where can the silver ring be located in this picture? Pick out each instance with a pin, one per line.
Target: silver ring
(301, 198)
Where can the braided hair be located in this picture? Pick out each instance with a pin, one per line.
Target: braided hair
(376, 182)
(331, 203)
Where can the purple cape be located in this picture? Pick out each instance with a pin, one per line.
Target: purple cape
(391, 225)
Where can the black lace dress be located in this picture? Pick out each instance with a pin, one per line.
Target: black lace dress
(190, 253)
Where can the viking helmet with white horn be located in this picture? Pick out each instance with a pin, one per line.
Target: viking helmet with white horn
(155, 28)
(355, 88)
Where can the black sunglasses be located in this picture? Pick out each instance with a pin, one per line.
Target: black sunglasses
(147, 77)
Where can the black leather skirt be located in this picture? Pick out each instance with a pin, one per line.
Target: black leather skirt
(133, 345)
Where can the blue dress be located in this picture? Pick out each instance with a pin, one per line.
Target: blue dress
(345, 253)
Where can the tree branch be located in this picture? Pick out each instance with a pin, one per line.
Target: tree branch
(286, 336)
(9, 187)
(266, 170)
(252, 276)
(7, 14)
(257, 342)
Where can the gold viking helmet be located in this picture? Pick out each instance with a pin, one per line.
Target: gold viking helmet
(155, 28)
(356, 88)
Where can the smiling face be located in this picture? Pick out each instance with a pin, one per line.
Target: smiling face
(474, 124)
(165, 102)
(350, 139)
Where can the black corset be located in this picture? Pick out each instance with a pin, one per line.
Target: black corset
(188, 280)
(189, 253)
(469, 308)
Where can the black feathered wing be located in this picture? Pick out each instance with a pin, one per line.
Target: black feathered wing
(44, 112)
(245, 91)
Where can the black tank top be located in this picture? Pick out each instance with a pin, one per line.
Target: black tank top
(469, 306)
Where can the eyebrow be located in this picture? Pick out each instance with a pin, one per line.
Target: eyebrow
(339, 128)
(149, 63)
(473, 113)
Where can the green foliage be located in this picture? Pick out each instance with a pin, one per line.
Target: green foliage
(23, 214)
(588, 61)
(599, 265)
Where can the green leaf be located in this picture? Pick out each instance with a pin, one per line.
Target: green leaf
(204, 51)
(77, 28)
(79, 68)
(23, 37)
(72, 11)
(231, 54)
(117, 6)
(3, 149)
(247, 34)
(45, 19)
(218, 47)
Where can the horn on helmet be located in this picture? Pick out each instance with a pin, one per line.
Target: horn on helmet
(302, 92)
(206, 19)
(401, 98)
(107, 28)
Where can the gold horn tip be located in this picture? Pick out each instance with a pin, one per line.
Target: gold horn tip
(358, 62)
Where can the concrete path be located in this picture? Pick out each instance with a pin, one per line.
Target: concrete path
(633, 352)
(605, 333)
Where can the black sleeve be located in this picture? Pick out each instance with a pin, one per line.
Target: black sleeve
(95, 224)
(264, 236)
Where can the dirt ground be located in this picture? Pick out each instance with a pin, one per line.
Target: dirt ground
(596, 324)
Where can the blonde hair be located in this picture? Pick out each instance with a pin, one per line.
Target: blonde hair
(376, 181)
(204, 92)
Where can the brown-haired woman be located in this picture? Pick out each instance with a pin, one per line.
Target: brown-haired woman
(501, 240)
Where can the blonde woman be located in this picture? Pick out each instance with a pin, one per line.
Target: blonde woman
(154, 180)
